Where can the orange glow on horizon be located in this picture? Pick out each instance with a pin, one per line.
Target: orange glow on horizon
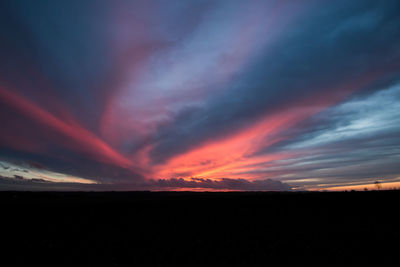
(368, 186)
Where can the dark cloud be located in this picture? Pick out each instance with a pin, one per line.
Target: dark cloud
(222, 184)
(20, 183)
(36, 184)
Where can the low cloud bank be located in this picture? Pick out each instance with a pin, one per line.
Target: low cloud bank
(20, 183)
(223, 184)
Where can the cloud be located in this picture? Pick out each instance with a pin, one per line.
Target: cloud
(22, 183)
(312, 60)
(221, 184)
(357, 140)
(123, 93)
(38, 173)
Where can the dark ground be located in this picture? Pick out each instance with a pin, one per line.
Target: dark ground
(200, 229)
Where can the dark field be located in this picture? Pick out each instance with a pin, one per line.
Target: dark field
(200, 229)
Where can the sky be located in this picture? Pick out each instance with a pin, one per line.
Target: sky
(199, 95)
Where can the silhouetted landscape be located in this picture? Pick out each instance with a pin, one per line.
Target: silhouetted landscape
(200, 229)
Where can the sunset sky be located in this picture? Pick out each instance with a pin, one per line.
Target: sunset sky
(199, 95)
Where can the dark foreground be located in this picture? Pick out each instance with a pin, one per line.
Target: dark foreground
(200, 229)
